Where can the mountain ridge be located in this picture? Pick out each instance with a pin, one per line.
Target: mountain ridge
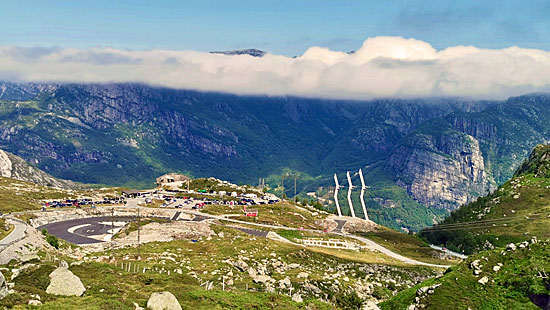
(15, 167)
(128, 134)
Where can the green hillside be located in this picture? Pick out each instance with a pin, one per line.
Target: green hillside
(128, 134)
(512, 278)
(517, 210)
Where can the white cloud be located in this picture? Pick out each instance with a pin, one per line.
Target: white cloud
(382, 67)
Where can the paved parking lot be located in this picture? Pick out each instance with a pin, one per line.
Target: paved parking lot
(82, 231)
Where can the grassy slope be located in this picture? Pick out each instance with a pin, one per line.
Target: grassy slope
(283, 213)
(5, 228)
(110, 287)
(407, 245)
(508, 288)
(17, 195)
(519, 209)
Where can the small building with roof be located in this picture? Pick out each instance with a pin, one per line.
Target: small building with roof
(172, 178)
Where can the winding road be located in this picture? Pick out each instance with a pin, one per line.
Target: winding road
(76, 231)
(17, 234)
(369, 243)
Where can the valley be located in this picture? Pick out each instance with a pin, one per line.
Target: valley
(422, 158)
(206, 255)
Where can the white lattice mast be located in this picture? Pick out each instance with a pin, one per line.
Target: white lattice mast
(336, 189)
(349, 195)
(363, 188)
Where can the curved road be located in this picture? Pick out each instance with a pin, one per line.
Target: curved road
(369, 243)
(17, 234)
(61, 230)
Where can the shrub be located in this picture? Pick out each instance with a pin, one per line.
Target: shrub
(53, 241)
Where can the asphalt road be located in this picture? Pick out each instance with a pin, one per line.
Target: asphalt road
(90, 226)
(341, 224)
(17, 234)
(253, 232)
(60, 229)
(369, 243)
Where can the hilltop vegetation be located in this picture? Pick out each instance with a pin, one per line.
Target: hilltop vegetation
(512, 278)
(18, 195)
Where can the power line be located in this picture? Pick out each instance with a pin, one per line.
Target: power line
(490, 221)
(480, 225)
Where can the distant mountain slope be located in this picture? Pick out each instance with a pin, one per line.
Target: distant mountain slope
(452, 160)
(422, 157)
(517, 210)
(14, 167)
(251, 51)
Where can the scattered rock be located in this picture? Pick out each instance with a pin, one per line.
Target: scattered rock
(483, 280)
(241, 265)
(163, 301)
(262, 279)
(496, 268)
(63, 282)
(28, 257)
(3, 287)
(475, 265)
(15, 273)
(304, 275)
(284, 283)
(370, 305)
(137, 307)
(297, 298)
(511, 247)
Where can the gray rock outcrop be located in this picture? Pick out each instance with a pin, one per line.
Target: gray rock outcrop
(163, 301)
(442, 171)
(4, 290)
(63, 282)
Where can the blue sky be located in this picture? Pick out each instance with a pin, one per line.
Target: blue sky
(282, 27)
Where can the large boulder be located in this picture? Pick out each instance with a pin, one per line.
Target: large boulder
(163, 301)
(4, 291)
(63, 282)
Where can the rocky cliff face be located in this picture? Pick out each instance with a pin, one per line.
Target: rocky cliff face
(449, 161)
(442, 171)
(86, 132)
(15, 167)
(443, 151)
(106, 106)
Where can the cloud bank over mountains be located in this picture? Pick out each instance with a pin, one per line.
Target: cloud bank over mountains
(382, 67)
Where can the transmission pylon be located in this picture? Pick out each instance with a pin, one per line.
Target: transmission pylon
(349, 194)
(363, 188)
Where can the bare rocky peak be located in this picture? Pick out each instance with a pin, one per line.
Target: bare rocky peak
(14, 167)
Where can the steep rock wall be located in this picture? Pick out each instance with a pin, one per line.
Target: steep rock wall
(442, 172)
